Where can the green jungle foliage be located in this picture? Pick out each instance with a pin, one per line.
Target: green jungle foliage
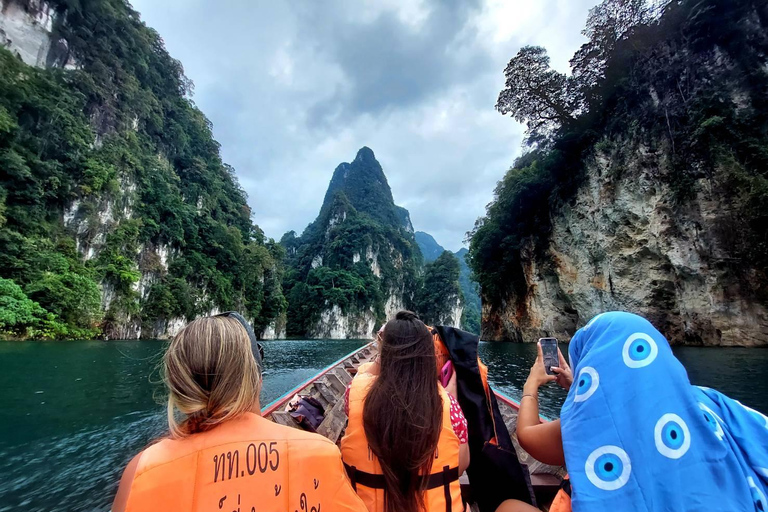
(470, 317)
(439, 289)
(688, 80)
(341, 281)
(358, 215)
(120, 138)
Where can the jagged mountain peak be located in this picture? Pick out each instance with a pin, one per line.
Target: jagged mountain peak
(365, 154)
(365, 186)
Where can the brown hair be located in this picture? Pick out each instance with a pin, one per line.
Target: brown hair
(402, 414)
(211, 375)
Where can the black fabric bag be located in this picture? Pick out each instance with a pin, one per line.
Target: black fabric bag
(495, 473)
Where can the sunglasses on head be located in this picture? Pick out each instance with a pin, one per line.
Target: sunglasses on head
(251, 335)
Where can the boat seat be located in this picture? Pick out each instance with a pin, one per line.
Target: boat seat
(334, 422)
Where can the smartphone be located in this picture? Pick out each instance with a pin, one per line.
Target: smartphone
(549, 351)
(446, 373)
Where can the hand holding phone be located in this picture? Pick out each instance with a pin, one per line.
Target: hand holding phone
(549, 351)
(446, 373)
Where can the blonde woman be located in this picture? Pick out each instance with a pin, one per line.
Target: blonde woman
(221, 454)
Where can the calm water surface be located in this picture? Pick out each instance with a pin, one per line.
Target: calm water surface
(74, 413)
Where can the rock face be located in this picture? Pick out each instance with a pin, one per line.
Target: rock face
(27, 28)
(151, 283)
(623, 245)
(26, 31)
(456, 309)
(357, 264)
(337, 324)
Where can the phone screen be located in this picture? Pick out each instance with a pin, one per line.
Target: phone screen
(549, 351)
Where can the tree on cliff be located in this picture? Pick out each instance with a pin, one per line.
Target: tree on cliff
(534, 93)
(673, 90)
(608, 23)
(440, 291)
(546, 100)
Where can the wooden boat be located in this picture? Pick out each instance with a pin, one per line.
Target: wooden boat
(328, 388)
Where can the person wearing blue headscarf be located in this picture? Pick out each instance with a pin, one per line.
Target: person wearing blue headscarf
(636, 435)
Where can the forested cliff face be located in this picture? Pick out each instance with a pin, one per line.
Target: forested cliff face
(117, 216)
(358, 263)
(645, 189)
(469, 312)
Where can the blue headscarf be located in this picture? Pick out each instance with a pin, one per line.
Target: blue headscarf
(638, 436)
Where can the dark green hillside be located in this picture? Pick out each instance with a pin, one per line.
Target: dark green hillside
(357, 253)
(470, 318)
(116, 211)
(430, 249)
(439, 291)
(675, 95)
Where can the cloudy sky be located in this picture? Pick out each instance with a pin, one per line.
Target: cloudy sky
(294, 88)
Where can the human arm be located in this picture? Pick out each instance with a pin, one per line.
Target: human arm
(542, 440)
(121, 499)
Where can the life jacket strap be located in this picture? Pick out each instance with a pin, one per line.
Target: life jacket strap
(447, 487)
(375, 481)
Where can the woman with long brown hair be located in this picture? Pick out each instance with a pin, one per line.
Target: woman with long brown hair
(401, 448)
(220, 453)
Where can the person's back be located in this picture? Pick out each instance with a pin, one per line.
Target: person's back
(223, 455)
(247, 462)
(400, 447)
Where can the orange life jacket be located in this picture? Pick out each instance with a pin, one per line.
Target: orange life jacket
(562, 501)
(443, 492)
(246, 464)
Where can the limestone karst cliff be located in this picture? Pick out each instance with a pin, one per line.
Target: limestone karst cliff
(358, 263)
(468, 309)
(650, 196)
(117, 216)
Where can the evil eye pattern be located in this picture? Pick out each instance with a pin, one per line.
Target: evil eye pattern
(757, 495)
(672, 436)
(639, 350)
(586, 384)
(713, 421)
(608, 468)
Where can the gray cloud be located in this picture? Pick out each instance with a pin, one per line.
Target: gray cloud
(294, 88)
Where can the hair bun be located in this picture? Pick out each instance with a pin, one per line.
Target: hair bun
(406, 315)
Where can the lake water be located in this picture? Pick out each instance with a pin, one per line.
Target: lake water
(74, 413)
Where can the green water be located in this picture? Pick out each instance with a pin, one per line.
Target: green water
(74, 413)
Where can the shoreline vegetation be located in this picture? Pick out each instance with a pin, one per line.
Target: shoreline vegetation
(118, 218)
(117, 214)
(668, 93)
